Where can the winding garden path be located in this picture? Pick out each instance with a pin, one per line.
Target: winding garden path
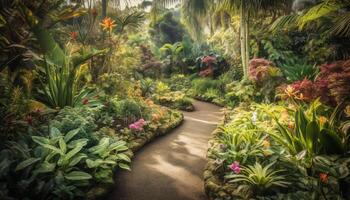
(171, 167)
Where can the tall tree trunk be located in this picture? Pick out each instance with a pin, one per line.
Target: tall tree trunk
(242, 40)
(246, 24)
(104, 8)
(244, 33)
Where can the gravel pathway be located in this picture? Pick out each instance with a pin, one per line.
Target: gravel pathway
(171, 167)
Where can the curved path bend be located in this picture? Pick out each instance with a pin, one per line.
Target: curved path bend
(171, 167)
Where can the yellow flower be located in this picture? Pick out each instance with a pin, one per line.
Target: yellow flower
(347, 110)
(108, 24)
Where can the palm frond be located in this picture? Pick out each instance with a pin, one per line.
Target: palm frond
(318, 11)
(341, 25)
(285, 21)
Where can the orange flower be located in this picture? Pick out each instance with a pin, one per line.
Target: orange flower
(266, 143)
(291, 125)
(74, 35)
(149, 102)
(155, 117)
(108, 24)
(301, 97)
(324, 177)
(290, 91)
(323, 120)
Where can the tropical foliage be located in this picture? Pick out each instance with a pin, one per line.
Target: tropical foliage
(84, 84)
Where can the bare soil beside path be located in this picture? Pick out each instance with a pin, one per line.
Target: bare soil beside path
(171, 167)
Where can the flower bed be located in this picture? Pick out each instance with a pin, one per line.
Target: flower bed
(269, 151)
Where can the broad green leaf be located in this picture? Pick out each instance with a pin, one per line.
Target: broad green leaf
(78, 60)
(101, 147)
(26, 163)
(118, 148)
(77, 159)
(65, 158)
(94, 163)
(312, 135)
(71, 134)
(124, 166)
(40, 140)
(77, 176)
(63, 145)
(124, 157)
(45, 167)
(74, 143)
(55, 132)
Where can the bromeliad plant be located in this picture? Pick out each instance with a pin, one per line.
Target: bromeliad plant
(312, 133)
(260, 179)
(60, 68)
(61, 86)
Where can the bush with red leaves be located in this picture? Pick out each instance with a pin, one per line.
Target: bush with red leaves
(259, 69)
(337, 75)
(332, 85)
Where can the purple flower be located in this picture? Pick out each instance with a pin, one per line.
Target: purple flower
(235, 167)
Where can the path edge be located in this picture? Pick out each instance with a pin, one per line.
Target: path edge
(101, 191)
(214, 187)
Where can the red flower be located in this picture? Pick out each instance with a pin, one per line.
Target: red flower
(38, 111)
(324, 177)
(209, 60)
(85, 101)
(94, 12)
(74, 35)
(29, 119)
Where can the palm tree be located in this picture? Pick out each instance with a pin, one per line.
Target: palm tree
(328, 16)
(173, 52)
(245, 8)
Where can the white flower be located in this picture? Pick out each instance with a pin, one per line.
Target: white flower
(254, 117)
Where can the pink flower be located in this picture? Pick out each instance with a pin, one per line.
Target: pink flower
(138, 125)
(235, 167)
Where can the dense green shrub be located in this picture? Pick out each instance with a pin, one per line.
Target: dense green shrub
(60, 165)
(82, 118)
(243, 91)
(166, 30)
(201, 85)
(127, 110)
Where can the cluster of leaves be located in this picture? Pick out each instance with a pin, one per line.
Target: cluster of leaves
(330, 85)
(265, 77)
(161, 93)
(274, 159)
(64, 161)
(211, 65)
